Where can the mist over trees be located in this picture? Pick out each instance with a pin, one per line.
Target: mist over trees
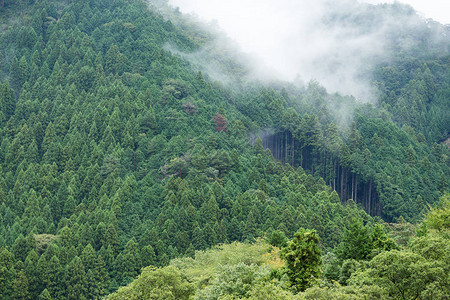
(335, 42)
(121, 158)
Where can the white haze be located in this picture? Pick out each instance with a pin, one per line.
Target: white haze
(435, 9)
(290, 38)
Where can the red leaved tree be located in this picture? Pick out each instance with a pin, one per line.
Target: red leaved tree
(221, 122)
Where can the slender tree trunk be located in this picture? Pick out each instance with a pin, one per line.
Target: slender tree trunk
(286, 147)
(301, 157)
(356, 188)
(307, 155)
(302, 163)
(348, 186)
(281, 147)
(305, 159)
(370, 195)
(342, 183)
(365, 195)
(293, 151)
(280, 143)
(351, 187)
(334, 175)
(276, 147)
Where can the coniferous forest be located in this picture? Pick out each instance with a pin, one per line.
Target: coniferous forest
(130, 171)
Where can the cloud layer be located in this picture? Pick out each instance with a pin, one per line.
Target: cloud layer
(333, 42)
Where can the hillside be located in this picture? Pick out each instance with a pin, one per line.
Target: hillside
(261, 271)
(118, 151)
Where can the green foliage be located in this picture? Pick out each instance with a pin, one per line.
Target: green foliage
(303, 259)
(228, 271)
(233, 280)
(7, 101)
(116, 153)
(439, 217)
(419, 272)
(20, 288)
(338, 292)
(45, 295)
(166, 283)
(404, 275)
(7, 273)
(206, 264)
(361, 242)
(75, 280)
(349, 267)
(270, 291)
(331, 266)
(277, 238)
(355, 242)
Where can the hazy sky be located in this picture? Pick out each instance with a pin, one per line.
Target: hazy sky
(286, 36)
(435, 9)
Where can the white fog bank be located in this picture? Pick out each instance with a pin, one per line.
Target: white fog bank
(300, 40)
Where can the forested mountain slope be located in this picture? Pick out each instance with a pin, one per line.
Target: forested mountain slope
(261, 271)
(117, 153)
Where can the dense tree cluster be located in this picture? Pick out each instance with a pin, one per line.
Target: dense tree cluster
(390, 171)
(117, 154)
(258, 271)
